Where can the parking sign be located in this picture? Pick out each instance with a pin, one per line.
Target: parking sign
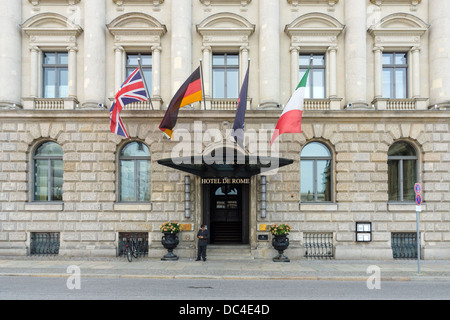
(417, 188)
(418, 200)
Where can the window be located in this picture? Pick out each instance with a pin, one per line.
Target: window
(56, 75)
(48, 172)
(315, 86)
(146, 63)
(315, 166)
(137, 32)
(52, 74)
(402, 172)
(134, 171)
(225, 76)
(395, 68)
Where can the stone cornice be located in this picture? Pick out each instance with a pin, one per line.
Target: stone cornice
(140, 2)
(314, 29)
(357, 116)
(53, 2)
(399, 30)
(225, 2)
(50, 23)
(396, 2)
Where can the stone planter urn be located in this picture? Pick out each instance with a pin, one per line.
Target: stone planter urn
(170, 242)
(280, 243)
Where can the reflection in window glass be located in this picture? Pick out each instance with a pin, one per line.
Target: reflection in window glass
(219, 83)
(233, 83)
(387, 83)
(307, 180)
(402, 172)
(395, 73)
(409, 180)
(400, 84)
(127, 192)
(63, 82)
(146, 63)
(144, 180)
(56, 75)
(315, 149)
(48, 172)
(318, 85)
(49, 83)
(41, 180)
(393, 185)
(323, 180)
(315, 85)
(315, 166)
(225, 72)
(134, 161)
(57, 183)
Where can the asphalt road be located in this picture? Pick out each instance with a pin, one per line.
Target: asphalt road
(88, 288)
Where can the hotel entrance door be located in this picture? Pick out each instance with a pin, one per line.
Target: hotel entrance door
(226, 213)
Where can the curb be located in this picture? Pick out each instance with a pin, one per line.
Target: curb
(229, 277)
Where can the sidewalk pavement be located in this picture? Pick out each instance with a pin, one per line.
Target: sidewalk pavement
(241, 269)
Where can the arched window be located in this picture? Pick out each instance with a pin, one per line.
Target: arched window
(402, 171)
(48, 172)
(134, 173)
(315, 166)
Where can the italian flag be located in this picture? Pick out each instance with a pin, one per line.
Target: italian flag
(291, 119)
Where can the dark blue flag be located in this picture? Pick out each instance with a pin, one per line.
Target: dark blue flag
(239, 121)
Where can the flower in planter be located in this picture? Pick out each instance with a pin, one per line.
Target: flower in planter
(172, 227)
(280, 229)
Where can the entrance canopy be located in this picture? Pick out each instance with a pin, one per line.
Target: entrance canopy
(225, 162)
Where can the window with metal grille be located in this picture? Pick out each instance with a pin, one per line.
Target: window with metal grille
(318, 245)
(44, 243)
(139, 238)
(404, 245)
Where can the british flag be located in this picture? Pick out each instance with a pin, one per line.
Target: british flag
(132, 90)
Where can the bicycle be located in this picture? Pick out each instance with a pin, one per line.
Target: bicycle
(131, 250)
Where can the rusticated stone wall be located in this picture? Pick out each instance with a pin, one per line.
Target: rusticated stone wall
(89, 218)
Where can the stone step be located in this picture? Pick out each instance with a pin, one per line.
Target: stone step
(229, 252)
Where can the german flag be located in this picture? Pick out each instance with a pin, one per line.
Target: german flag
(189, 92)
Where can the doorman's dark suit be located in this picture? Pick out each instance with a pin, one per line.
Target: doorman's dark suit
(203, 236)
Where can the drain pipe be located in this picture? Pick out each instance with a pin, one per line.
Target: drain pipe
(263, 196)
(187, 196)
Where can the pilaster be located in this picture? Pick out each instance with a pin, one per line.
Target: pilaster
(439, 48)
(269, 54)
(10, 62)
(94, 53)
(356, 53)
(181, 42)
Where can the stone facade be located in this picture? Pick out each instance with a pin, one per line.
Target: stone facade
(354, 121)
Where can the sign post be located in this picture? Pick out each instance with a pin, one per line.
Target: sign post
(418, 190)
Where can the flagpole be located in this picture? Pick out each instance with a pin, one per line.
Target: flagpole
(203, 86)
(310, 62)
(145, 83)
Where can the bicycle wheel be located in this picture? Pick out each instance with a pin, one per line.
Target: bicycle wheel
(129, 255)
